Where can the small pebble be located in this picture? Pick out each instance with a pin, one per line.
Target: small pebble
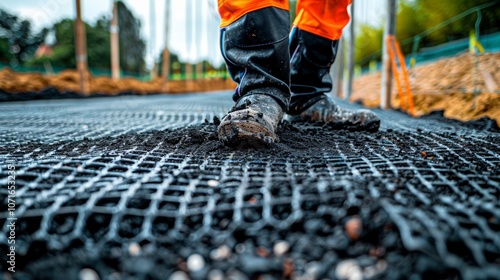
(252, 200)
(281, 248)
(195, 262)
(178, 275)
(262, 252)
(288, 268)
(221, 253)
(353, 228)
(88, 274)
(381, 265)
(370, 272)
(216, 274)
(236, 275)
(134, 249)
(312, 270)
(213, 183)
(356, 274)
(349, 269)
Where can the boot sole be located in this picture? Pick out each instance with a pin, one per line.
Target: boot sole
(243, 133)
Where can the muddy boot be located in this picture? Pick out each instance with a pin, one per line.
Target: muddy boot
(255, 48)
(312, 57)
(253, 121)
(322, 109)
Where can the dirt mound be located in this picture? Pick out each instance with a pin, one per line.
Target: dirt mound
(448, 85)
(68, 81)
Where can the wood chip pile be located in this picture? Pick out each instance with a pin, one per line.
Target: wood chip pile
(448, 84)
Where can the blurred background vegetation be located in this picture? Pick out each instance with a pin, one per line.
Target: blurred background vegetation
(417, 16)
(132, 46)
(19, 43)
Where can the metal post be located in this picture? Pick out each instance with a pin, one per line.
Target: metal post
(81, 50)
(166, 53)
(385, 94)
(115, 50)
(350, 57)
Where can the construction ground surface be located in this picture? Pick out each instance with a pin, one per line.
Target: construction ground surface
(139, 187)
(464, 86)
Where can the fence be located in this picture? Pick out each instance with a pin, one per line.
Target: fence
(490, 43)
(179, 74)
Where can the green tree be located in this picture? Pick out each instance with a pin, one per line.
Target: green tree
(5, 54)
(17, 41)
(98, 53)
(368, 44)
(409, 23)
(417, 16)
(432, 13)
(132, 46)
(98, 44)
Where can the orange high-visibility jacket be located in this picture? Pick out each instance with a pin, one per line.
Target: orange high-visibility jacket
(325, 18)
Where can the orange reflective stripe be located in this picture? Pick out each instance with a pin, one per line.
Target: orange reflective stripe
(231, 10)
(325, 18)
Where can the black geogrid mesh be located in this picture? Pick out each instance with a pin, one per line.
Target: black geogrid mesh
(427, 200)
(58, 120)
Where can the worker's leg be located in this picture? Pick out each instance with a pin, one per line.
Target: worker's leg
(254, 44)
(313, 46)
(325, 18)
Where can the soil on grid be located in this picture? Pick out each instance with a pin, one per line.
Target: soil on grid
(321, 203)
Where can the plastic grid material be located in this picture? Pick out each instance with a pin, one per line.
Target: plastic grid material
(427, 201)
(62, 120)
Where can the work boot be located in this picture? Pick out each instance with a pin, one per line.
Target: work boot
(311, 59)
(322, 109)
(253, 121)
(255, 48)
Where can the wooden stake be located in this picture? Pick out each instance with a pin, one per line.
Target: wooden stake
(81, 51)
(115, 50)
(166, 53)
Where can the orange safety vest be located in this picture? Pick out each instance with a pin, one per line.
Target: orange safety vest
(325, 18)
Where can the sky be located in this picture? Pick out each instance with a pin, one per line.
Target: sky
(202, 42)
